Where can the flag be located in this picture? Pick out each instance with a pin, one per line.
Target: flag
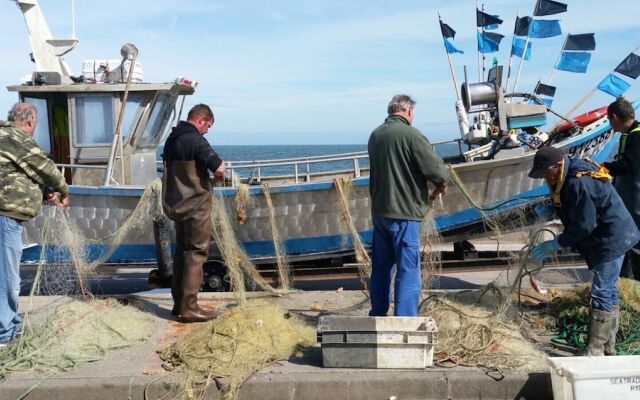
(522, 26)
(585, 41)
(574, 61)
(517, 47)
(630, 66)
(613, 85)
(544, 28)
(488, 42)
(446, 30)
(450, 47)
(549, 7)
(547, 101)
(484, 19)
(492, 27)
(546, 90)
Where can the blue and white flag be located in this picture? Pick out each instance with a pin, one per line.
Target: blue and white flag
(517, 48)
(613, 85)
(544, 28)
(489, 42)
(574, 61)
(451, 48)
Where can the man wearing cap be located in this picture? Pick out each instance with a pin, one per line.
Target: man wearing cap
(626, 172)
(598, 226)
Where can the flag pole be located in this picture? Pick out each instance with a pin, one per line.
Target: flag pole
(478, 47)
(526, 43)
(484, 58)
(553, 71)
(453, 74)
(511, 53)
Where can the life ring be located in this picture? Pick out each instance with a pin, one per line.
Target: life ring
(582, 120)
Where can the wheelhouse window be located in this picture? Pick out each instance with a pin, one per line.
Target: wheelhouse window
(94, 119)
(41, 133)
(135, 101)
(157, 121)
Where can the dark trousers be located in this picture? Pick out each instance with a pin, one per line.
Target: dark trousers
(192, 249)
(631, 264)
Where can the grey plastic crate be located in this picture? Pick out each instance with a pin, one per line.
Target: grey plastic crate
(377, 342)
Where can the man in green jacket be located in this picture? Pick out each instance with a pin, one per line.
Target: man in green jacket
(24, 171)
(402, 161)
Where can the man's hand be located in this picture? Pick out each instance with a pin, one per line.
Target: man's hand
(545, 249)
(440, 188)
(52, 199)
(219, 173)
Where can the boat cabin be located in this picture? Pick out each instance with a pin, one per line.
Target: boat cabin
(77, 123)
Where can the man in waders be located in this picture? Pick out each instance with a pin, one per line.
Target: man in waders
(188, 158)
(626, 172)
(598, 226)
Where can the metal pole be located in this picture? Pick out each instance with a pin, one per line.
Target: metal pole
(116, 143)
(478, 47)
(506, 85)
(453, 74)
(553, 71)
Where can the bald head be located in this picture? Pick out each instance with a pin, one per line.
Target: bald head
(24, 116)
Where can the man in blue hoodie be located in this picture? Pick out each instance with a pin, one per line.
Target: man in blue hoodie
(597, 225)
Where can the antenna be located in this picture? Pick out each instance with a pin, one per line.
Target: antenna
(73, 19)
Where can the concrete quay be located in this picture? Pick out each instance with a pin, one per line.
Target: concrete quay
(136, 372)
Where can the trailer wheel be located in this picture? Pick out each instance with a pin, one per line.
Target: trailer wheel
(215, 277)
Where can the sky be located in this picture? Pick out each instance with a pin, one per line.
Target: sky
(319, 71)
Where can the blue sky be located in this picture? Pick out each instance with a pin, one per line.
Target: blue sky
(318, 72)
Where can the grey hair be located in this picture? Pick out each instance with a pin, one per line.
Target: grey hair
(20, 113)
(400, 103)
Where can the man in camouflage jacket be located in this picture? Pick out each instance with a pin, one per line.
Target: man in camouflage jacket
(24, 171)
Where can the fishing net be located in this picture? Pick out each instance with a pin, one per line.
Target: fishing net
(569, 310)
(343, 191)
(238, 264)
(72, 334)
(284, 273)
(232, 347)
(81, 329)
(241, 200)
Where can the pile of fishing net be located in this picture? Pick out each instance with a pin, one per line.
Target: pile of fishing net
(569, 311)
(234, 346)
(481, 329)
(73, 334)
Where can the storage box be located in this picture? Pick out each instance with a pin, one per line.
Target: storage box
(582, 378)
(377, 342)
(103, 70)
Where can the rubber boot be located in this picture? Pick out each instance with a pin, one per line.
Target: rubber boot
(610, 346)
(189, 310)
(600, 323)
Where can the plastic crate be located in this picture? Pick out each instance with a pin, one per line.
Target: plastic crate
(582, 378)
(377, 342)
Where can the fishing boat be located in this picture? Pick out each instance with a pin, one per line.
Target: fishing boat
(103, 131)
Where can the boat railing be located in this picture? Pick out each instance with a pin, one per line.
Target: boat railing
(302, 166)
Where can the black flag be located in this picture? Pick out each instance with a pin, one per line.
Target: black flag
(630, 66)
(549, 7)
(446, 30)
(484, 19)
(546, 90)
(583, 42)
(522, 26)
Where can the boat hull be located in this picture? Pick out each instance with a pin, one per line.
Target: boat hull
(307, 215)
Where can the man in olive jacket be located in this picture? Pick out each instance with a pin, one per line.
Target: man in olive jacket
(626, 172)
(188, 158)
(402, 161)
(24, 171)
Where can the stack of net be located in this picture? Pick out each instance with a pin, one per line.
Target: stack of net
(232, 347)
(76, 328)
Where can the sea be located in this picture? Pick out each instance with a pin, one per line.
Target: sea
(231, 153)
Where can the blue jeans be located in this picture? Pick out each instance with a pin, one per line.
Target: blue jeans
(10, 253)
(604, 293)
(395, 241)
